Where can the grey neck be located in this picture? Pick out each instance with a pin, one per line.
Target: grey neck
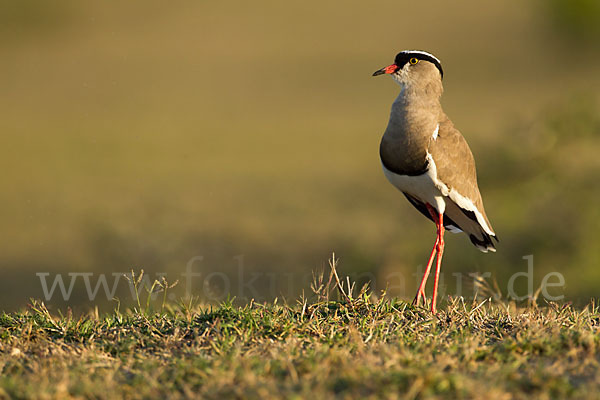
(409, 96)
(415, 112)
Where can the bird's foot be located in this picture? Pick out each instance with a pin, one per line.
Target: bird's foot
(417, 300)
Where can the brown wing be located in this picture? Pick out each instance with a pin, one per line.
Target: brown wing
(456, 169)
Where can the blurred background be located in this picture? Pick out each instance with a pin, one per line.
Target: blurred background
(238, 142)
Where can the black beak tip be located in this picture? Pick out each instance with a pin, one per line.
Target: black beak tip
(378, 72)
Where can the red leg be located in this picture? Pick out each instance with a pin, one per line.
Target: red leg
(421, 290)
(440, 253)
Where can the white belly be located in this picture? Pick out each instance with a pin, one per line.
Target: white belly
(421, 187)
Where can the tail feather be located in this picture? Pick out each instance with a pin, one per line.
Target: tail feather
(457, 219)
(484, 245)
(467, 221)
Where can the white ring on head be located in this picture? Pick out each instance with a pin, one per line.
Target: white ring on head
(421, 52)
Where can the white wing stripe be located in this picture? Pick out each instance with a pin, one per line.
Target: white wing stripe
(460, 200)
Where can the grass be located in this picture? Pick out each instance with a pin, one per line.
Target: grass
(355, 346)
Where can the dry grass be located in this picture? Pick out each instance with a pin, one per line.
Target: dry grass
(358, 346)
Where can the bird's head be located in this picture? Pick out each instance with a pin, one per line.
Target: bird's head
(414, 68)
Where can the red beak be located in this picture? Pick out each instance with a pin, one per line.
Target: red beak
(390, 69)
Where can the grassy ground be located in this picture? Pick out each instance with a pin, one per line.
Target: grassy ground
(354, 347)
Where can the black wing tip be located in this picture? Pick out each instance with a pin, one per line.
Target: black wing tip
(486, 244)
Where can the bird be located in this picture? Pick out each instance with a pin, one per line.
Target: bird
(429, 161)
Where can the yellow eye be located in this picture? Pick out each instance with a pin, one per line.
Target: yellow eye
(413, 61)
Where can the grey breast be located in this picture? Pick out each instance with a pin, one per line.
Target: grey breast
(404, 146)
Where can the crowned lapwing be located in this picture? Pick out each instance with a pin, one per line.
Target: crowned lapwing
(429, 161)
